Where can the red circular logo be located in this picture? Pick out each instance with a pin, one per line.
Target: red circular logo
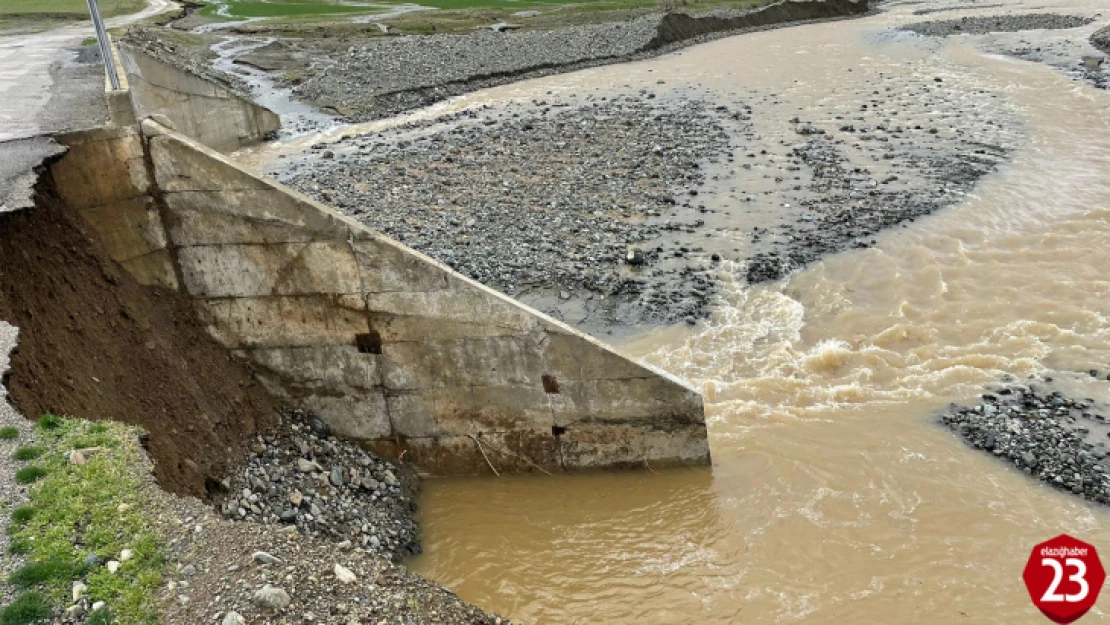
(1064, 577)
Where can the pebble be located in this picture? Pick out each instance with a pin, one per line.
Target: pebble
(344, 575)
(264, 558)
(981, 25)
(272, 598)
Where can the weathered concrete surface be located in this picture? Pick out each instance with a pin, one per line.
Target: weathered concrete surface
(194, 106)
(390, 347)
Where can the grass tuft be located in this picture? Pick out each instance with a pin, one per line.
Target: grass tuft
(19, 547)
(26, 475)
(9, 432)
(23, 513)
(35, 573)
(29, 607)
(27, 452)
(48, 422)
(103, 616)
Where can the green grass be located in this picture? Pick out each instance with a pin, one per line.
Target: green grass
(103, 616)
(26, 475)
(73, 511)
(49, 422)
(72, 8)
(19, 547)
(35, 573)
(23, 514)
(456, 5)
(29, 607)
(27, 452)
(249, 8)
(9, 432)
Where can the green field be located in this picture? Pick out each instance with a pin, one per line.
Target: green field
(249, 9)
(67, 8)
(242, 9)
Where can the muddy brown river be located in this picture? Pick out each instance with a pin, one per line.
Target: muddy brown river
(834, 496)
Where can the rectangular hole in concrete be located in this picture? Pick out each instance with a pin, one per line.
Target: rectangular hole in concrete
(369, 343)
(558, 430)
(550, 384)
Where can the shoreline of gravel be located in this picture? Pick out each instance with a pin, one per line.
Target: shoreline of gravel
(232, 569)
(1042, 430)
(1083, 59)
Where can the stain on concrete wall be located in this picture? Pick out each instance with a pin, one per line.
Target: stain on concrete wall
(196, 107)
(390, 347)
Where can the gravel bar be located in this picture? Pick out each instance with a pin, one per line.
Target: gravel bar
(1060, 440)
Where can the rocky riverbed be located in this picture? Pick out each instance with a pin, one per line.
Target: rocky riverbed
(981, 25)
(1070, 52)
(616, 211)
(1044, 432)
(546, 202)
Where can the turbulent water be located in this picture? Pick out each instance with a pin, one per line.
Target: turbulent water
(834, 495)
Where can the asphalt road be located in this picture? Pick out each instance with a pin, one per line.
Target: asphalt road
(46, 88)
(26, 80)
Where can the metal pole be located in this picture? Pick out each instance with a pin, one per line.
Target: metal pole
(105, 47)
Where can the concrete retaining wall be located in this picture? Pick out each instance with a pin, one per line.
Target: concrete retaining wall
(390, 347)
(194, 106)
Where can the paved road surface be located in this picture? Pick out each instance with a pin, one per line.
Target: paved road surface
(25, 78)
(43, 89)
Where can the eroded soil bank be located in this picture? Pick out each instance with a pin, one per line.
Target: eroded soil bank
(94, 342)
(261, 514)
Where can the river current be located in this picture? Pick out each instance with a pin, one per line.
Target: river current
(834, 495)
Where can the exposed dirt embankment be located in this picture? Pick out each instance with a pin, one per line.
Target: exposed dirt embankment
(1101, 39)
(681, 27)
(95, 344)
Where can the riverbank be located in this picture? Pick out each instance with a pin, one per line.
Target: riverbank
(179, 562)
(646, 193)
(384, 77)
(361, 72)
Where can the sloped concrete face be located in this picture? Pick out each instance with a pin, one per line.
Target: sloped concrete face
(196, 107)
(390, 347)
